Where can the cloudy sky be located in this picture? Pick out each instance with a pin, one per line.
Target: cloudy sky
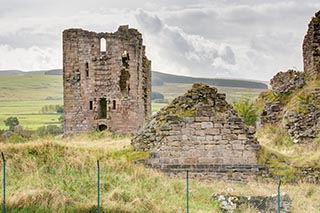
(251, 39)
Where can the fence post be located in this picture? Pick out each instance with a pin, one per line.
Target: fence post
(279, 196)
(98, 165)
(187, 191)
(4, 183)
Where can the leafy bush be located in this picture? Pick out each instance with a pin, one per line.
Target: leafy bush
(49, 130)
(247, 110)
(11, 122)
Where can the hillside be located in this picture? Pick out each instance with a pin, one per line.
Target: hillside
(158, 78)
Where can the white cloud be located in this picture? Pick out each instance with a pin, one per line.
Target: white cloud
(34, 58)
(186, 54)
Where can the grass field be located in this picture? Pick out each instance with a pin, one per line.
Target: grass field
(24, 96)
(60, 175)
(170, 91)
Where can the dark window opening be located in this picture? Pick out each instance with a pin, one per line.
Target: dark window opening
(125, 59)
(102, 108)
(114, 104)
(87, 69)
(102, 127)
(90, 105)
(124, 86)
(103, 45)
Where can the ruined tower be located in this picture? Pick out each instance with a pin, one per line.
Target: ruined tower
(311, 49)
(106, 79)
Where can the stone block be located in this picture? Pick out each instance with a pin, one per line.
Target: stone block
(206, 125)
(212, 131)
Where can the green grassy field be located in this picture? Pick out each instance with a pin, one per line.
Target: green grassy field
(24, 96)
(170, 91)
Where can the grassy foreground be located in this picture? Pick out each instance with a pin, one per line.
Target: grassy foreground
(59, 175)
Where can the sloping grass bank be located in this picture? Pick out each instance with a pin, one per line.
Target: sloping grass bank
(60, 175)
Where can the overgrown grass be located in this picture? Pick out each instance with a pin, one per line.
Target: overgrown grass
(59, 175)
(279, 153)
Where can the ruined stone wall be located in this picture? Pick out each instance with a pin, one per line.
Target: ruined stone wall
(200, 132)
(274, 101)
(105, 88)
(311, 48)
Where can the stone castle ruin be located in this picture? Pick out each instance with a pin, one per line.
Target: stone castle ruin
(200, 132)
(293, 103)
(106, 79)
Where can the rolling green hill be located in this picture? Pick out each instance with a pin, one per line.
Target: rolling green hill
(159, 78)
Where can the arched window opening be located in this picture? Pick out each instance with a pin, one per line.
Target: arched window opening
(103, 45)
(87, 69)
(125, 59)
(102, 127)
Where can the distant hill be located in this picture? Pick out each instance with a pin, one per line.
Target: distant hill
(158, 79)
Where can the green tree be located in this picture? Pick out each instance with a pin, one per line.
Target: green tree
(11, 122)
(247, 110)
(60, 109)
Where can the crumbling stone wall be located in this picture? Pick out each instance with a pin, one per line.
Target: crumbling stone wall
(106, 79)
(200, 132)
(283, 84)
(296, 110)
(311, 48)
(286, 82)
(302, 116)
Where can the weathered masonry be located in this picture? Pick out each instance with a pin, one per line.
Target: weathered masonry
(200, 132)
(106, 79)
(311, 50)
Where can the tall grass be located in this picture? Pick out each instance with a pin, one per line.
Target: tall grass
(59, 175)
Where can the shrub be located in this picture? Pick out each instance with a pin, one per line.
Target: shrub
(247, 110)
(49, 130)
(11, 122)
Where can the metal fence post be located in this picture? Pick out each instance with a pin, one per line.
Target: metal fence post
(187, 191)
(98, 165)
(279, 196)
(4, 183)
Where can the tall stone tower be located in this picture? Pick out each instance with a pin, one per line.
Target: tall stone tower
(106, 80)
(311, 49)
